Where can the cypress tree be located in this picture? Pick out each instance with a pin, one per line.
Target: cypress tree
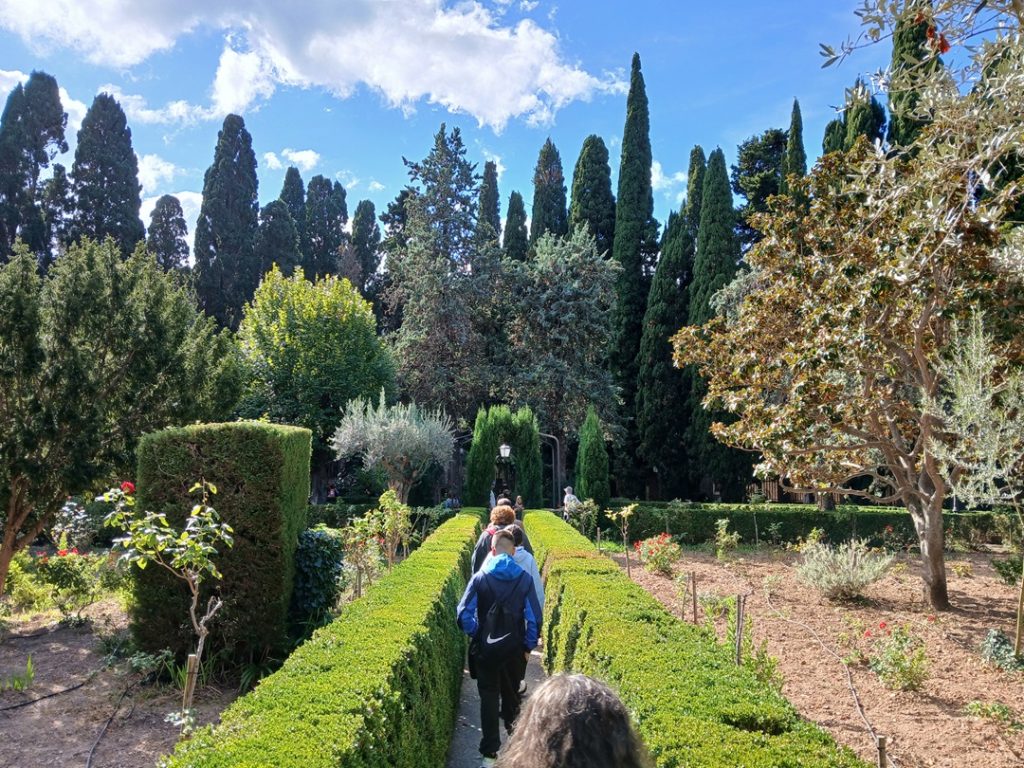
(908, 52)
(592, 462)
(549, 214)
(695, 189)
(864, 116)
(325, 221)
(58, 206)
(227, 272)
(593, 205)
(795, 162)
(167, 237)
(488, 218)
(106, 177)
(277, 240)
(635, 243)
(366, 245)
(516, 245)
(835, 136)
(293, 194)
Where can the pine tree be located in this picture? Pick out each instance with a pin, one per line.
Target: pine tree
(516, 245)
(58, 207)
(549, 214)
(593, 205)
(908, 54)
(293, 193)
(226, 269)
(325, 222)
(695, 190)
(277, 240)
(865, 116)
(366, 246)
(167, 237)
(592, 462)
(488, 218)
(106, 177)
(757, 175)
(31, 135)
(835, 136)
(795, 162)
(635, 243)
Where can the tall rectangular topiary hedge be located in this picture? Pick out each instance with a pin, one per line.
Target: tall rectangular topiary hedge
(261, 472)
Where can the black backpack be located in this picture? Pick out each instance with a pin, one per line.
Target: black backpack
(502, 632)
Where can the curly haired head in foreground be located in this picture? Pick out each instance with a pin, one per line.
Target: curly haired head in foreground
(574, 721)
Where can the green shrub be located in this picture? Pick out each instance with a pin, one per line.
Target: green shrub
(521, 431)
(844, 571)
(898, 658)
(319, 565)
(997, 649)
(659, 554)
(336, 514)
(1009, 569)
(376, 688)
(262, 475)
(592, 462)
(692, 705)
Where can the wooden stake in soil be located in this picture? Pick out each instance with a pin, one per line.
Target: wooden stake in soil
(693, 584)
(192, 672)
(882, 760)
(599, 540)
(740, 600)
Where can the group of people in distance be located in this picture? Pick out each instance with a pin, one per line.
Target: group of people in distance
(570, 721)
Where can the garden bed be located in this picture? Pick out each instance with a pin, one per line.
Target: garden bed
(62, 730)
(929, 727)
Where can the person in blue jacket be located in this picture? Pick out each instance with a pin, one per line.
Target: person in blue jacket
(500, 581)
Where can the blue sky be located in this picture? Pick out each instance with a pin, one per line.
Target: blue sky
(346, 88)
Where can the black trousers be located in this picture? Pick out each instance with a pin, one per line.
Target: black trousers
(498, 685)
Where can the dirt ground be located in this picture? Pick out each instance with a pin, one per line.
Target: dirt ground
(61, 731)
(926, 728)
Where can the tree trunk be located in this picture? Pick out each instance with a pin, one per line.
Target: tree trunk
(931, 536)
(6, 555)
(1018, 637)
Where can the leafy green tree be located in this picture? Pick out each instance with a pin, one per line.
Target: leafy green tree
(93, 355)
(395, 239)
(167, 238)
(549, 214)
(521, 431)
(293, 194)
(592, 462)
(277, 240)
(332, 355)
(634, 248)
(326, 216)
(516, 243)
(488, 218)
(226, 268)
(865, 116)
(106, 177)
(794, 162)
(366, 246)
(593, 205)
(757, 175)
(31, 135)
(58, 208)
(835, 136)
(909, 52)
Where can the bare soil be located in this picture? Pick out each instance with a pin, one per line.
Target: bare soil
(925, 728)
(61, 730)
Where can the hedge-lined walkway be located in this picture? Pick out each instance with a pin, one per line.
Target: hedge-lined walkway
(464, 751)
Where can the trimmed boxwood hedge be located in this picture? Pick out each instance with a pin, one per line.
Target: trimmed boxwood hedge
(377, 688)
(692, 705)
(694, 523)
(261, 472)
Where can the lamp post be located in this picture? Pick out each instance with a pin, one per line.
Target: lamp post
(505, 450)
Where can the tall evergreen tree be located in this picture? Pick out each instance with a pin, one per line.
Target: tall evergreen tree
(549, 213)
(58, 207)
(865, 116)
(593, 205)
(366, 246)
(695, 189)
(592, 462)
(31, 135)
(909, 54)
(516, 244)
(757, 175)
(226, 269)
(834, 139)
(167, 237)
(325, 221)
(488, 217)
(795, 161)
(715, 264)
(293, 194)
(106, 177)
(277, 239)
(636, 234)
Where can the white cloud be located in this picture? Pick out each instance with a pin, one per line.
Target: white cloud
(348, 179)
(463, 57)
(528, 5)
(272, 161)
(9, 78)
(76, 109)
(138, 110)
(191, 203)
(667, 182)
(499, 166)
(305, 159)
(154, 171)
(376, 186)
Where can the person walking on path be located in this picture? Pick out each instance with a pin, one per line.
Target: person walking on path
(520, 508)
(569, 503)
(500, 613)
(501, 516)
(524, 560)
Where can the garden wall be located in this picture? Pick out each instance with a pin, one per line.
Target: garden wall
(693, 706)
(261, 472)
(377, 688)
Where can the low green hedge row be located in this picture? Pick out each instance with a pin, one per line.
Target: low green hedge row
(694, 523)
(377, 688)
(692, 705)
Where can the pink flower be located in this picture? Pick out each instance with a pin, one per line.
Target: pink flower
(867, 633)
(128, 487)
(74, 550)
(882, 625)
(62, 553)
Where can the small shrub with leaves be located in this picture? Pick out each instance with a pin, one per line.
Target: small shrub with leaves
(963, 569)
(74, 580)
(1009, 569)
(898, 657)
(19, 681)
(725, 541)
(992, 710)
(319, 571)
(997, 649)
(844, 571)
(659, 554)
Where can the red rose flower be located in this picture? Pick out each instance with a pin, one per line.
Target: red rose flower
(62, 553)
(128, 487)
(867, 633)
(74, 550)
(882, 625)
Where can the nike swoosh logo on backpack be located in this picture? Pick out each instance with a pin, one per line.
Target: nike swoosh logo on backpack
(493, 640)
